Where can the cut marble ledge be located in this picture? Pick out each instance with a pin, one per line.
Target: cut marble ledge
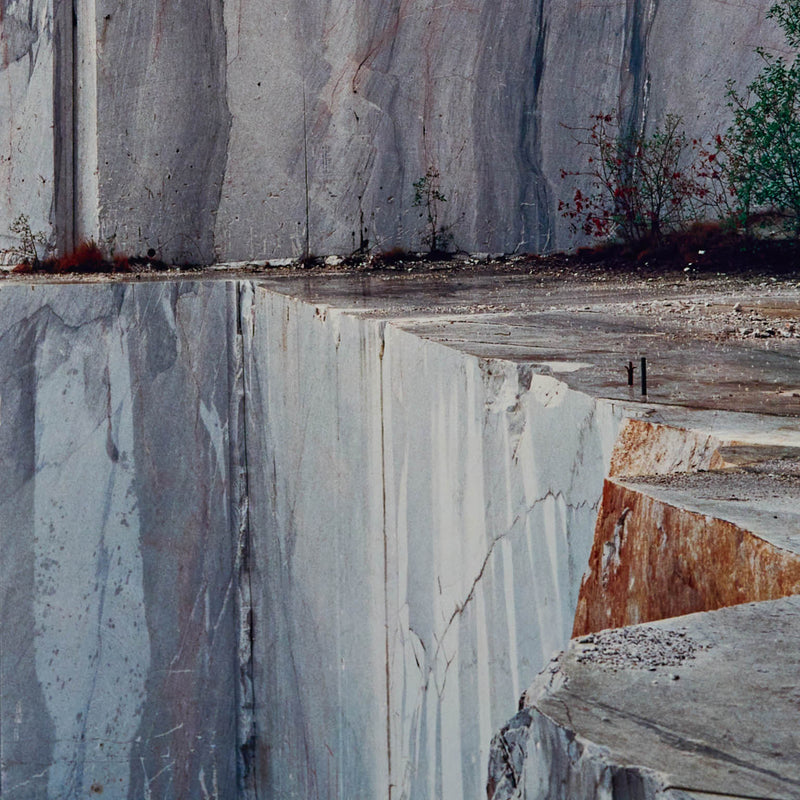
(717, 722)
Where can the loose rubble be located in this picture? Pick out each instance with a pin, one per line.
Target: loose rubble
(724, 321)
(637, 648)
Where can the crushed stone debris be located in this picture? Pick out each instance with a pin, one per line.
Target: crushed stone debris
(767, 480)
(637, 648)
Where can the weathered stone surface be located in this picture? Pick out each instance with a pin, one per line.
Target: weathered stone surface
(322, 538)
(692, 519)
(486, 507)
(28, 105)
(408, 531)
(334, 114)
(715, 721)
(237, 131)
(161, 126)
(289, 556)
(117, 666)
(318, 550)
(649, 448)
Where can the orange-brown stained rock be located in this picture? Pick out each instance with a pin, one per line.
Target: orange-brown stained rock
(647, 448)
(651, 560)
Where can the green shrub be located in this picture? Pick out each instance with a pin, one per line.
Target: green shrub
(764, 139)
(428, 197)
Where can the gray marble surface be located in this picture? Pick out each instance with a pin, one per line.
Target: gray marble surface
(704, 709)
(30, 141)
(247, 130)
(119, 634)
(255, 546)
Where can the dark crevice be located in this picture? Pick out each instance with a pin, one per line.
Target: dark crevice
(635, 80)
(247, 736)
(531, 147)
(64, 87)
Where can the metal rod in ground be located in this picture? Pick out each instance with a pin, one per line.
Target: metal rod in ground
(644, 376)
(629, 369)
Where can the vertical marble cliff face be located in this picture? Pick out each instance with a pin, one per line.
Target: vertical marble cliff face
(119, 643)
(28, 106)
(161, 125)
(490, 483)
(317, 551)
(257, 547)
(227, 131)
(420, 520)
(337, 111)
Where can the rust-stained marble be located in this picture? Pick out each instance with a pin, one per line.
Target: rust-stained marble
(652, 560)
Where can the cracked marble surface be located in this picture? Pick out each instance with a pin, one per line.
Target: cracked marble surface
(490, 486)
(313, 554)
(421, 518)
(721, 724)
(256, 544)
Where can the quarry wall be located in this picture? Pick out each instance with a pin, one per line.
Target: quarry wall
(232, 131)
(258, 547)
(305, 539)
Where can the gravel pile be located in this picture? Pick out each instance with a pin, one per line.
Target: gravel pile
(762, 481)
(637, 648)
(724, 321)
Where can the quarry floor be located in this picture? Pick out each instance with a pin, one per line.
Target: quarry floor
(711, 340)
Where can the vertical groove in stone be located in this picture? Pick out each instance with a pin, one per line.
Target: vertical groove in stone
(512, 189)
(635, 79)
(536, 197)
(240, 299)
(63, 211)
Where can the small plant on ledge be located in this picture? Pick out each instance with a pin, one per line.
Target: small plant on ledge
(86, 258)
(428, 197)
(30, 243)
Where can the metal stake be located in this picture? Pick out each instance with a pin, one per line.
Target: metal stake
(644, 376)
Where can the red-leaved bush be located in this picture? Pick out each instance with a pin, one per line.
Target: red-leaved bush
(639, 188)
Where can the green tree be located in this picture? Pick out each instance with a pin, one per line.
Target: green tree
(763, 143)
